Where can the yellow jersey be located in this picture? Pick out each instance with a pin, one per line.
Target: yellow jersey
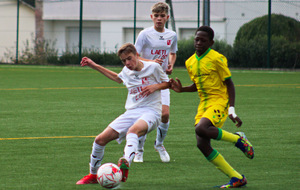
(208, 72)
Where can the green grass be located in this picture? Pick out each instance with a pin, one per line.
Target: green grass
(61, 102)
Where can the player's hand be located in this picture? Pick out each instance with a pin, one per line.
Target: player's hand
(84, 61)
(169, 69)
(147, 90)
(232, 115)
(176, 85)
(159, 61)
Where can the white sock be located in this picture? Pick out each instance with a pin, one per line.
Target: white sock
(131, 146)
(142, 140)
(96, 157)
(161, 134)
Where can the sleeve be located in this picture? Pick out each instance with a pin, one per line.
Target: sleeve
(222, 68)
(139, 43)
(159, 74)
(122, 77)
(174, 47)
(189, 68)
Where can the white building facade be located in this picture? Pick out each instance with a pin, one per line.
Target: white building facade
(107, 24)
(8, 27)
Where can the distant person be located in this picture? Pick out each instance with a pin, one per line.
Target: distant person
(144, 81)
(211, 77)
(159, 44)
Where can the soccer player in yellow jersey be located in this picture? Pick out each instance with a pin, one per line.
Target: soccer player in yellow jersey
(211, 77)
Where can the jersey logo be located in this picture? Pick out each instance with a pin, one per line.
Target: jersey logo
(161, 38)
(145, 81)
(136, 77)
(169, 42)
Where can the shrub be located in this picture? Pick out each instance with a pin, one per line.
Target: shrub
(41, 53)
(186, 49)
(250, 48)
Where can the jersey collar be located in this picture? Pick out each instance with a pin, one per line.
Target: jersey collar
(204, 54)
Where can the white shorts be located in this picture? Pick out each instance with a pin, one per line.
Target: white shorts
(122, 123)
(165, 97)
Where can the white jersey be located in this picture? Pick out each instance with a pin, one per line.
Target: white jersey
(151, 44)
(151, 73)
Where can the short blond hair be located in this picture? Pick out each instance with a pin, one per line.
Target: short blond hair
(127, 48)
(160, 7)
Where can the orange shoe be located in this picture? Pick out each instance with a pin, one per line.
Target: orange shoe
(124, 166)
(89, 179)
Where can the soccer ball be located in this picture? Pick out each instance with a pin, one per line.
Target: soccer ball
(109, 175)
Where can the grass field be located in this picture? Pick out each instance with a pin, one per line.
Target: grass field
(50, 115)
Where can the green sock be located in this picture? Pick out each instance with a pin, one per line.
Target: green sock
(226, 136)
(218, 160)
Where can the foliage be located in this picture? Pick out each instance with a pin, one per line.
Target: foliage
(186, 49)
(251, 43)
(42, 52)
(281, 25)
(250, 48)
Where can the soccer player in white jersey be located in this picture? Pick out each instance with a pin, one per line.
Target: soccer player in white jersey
(158, 44)
(144, 81)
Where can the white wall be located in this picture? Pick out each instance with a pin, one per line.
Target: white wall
(8, 27)
(114, 20)
(116, 17)
(57, 31)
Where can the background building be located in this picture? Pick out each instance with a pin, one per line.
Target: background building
(108, 24)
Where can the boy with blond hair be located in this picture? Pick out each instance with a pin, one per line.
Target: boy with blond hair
(158, 44)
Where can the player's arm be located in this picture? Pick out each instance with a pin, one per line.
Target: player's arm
(172, 59)
(152, 88)
(177, 86)
(108, 73)
(231, 93)
(159, 61)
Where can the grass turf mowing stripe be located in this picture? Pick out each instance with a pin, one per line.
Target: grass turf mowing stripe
(65, 88)
(55, 137)
(84, 88)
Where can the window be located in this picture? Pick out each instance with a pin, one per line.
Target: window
(90, 38)
(128, 34)
(186, 33)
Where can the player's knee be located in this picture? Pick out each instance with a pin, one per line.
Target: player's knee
(165, 117)
(200, 131)
(100, 141)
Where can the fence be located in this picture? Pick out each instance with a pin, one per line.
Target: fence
(106, 24)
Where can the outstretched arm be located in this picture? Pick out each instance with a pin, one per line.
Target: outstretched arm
(108, 73)
(231, 111)
(177, 86)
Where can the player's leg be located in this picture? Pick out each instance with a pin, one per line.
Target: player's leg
(162, 129)
(217, 114)
(97, 154)
(206, 130)
(140, 149)
(214, 157)
(239, 139)
(139, 128)
(146, 122)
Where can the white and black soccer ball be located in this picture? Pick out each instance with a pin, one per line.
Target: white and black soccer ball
(109, 175)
